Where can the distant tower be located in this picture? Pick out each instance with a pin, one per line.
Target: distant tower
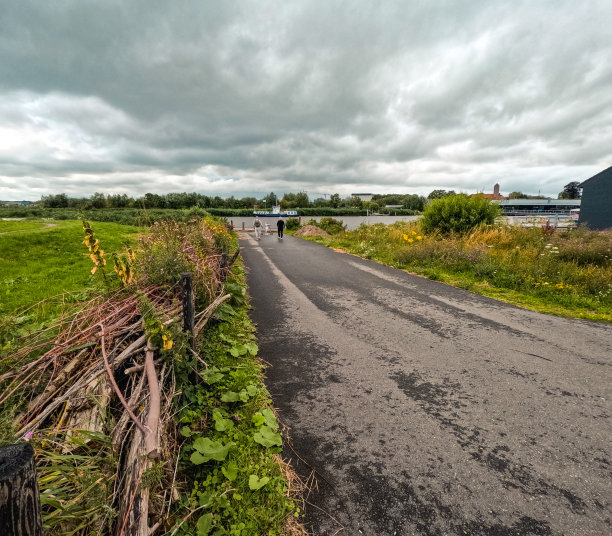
(496, 190)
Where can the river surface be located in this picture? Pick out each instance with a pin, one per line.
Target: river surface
(351, 222)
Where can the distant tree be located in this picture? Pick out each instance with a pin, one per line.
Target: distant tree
(517, 195)
(570, 191)
(301, 200)
(356, 202)
(247, 202)
(437, 194)
(334, 200)
(98, 200)
(154, 201)
(287, 201)
(271, 199)
(414, 202)
(320, 202)
(119, 201)
(54, 201)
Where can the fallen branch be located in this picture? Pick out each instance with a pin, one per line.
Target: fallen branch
(151, 440)
(116, 387)
(208, 312)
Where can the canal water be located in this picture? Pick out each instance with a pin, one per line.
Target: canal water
(351, 222)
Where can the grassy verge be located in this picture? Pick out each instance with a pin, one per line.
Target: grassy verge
(565, 273)
(39, 260)
(232, 439)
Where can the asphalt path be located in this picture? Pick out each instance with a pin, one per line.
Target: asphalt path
(425, 409)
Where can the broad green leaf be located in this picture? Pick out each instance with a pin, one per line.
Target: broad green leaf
(205, 498)
(186, 431)
(212, 375)
(210, 450)
(222, 424)
(244, 396)
(251, 389)
(267, 437)
(238, 350)
(251, 348)
(197, 459)
(270, 418)
(256, 483)
(230, 396)
(230, 470)
(258, 419)
(204, 524)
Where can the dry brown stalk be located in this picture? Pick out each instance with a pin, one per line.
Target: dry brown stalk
(208, 312)
(116, 387)
(151, 440)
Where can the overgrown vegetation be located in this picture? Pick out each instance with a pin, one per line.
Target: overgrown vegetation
(567, 273)
(458, 214)
(199, 454)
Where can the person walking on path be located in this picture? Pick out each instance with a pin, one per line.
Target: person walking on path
(257, 228)
(280, 225)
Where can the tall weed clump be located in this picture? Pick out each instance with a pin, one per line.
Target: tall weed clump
(458, 214)
(568, 272)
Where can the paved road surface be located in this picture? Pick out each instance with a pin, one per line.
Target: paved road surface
(426, 409)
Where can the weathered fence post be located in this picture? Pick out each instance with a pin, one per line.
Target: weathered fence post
(19, 496)
(188, 306)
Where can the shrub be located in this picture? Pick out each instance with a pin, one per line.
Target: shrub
(458, 214)
(292, 224)
(330, 225)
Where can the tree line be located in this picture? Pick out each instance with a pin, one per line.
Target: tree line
(289, 200)
(189, 200)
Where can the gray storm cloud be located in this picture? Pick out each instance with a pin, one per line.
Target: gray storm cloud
(247, 97)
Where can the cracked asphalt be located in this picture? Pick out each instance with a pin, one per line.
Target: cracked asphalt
(425, 409)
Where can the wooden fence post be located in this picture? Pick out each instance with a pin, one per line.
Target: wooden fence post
(188, 306)
(19, 496)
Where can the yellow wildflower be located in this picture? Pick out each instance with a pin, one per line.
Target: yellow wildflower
(410, 240)
(167, 344)
(413, 232)
(93, 270)
(94, 259)
(419, 237)
(405, 236)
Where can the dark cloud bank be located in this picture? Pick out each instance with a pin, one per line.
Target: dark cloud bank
(245, 98)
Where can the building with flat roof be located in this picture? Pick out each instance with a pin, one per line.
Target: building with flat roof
(363, 197)
(596, 207)
(534, 207)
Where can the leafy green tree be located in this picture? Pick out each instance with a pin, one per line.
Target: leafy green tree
(437, 194)
(458, 214)
(301, 200)
(287, 201)
(119, 201)
(98, 200)
(517, 195)
(334, 200)
(414, 202)
(54, 201)
(356, 202)
(271, 199)
(570, 191)
(154, 201)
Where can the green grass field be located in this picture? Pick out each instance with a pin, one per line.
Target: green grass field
(39, 259)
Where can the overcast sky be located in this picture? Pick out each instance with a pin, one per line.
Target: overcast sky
(247, 97)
